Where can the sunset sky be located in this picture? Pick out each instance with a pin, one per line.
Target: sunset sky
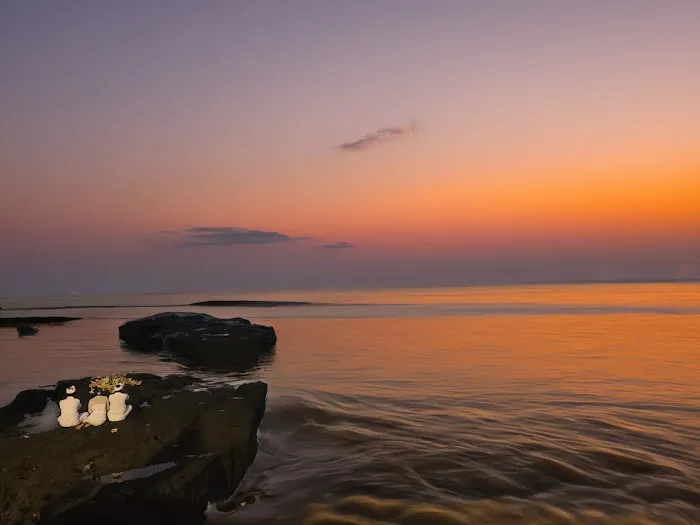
(233, 145)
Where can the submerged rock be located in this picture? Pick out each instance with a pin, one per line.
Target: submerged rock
(200, 338)
(27, 329)
(162, 465)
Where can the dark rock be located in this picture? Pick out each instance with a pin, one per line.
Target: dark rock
(27, 329)
(201, 339)
(198, 444)
(19, 321)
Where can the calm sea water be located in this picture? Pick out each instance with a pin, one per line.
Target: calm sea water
(504, 405)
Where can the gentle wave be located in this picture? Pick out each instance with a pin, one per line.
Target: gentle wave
(551, 405)
(368, 510)
(329, 460)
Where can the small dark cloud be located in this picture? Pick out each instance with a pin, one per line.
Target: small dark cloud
(376, 137)
(216, 236)
(339, 245)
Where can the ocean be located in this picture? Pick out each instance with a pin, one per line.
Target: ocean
(555, 404)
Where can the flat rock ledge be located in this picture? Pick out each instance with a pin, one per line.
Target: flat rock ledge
(183, 445)
(200, 339)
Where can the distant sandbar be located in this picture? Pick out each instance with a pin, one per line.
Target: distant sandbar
(264, 304)
(212, 303)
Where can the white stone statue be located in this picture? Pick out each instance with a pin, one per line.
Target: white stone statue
(97, 410)
(118, 409)
(70, 406)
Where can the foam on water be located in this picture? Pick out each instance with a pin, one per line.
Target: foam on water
(43, 421)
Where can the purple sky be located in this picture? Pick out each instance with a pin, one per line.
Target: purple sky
(177, 146)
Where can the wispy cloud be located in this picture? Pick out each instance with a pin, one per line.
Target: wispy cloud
(339, 245)
(381, 135)
(225, 236)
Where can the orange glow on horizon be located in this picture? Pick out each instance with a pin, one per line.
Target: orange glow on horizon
(650, 209)
(510, 211)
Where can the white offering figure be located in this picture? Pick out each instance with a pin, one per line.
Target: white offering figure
(69, 406)
(118, 409)
(97, 410)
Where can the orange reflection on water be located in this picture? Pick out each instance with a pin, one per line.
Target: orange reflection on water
(641, 295)
(610, 358)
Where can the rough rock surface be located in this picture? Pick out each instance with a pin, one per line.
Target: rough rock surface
(200, 338)
(203, 440)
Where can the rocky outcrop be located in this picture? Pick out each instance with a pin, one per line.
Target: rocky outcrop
(182, 447)
(201, 339)
(34, 400)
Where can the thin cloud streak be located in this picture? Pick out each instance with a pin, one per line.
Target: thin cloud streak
(376, 137)
(339, 246)
(228, 236)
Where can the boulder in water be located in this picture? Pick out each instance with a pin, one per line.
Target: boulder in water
(200, 338)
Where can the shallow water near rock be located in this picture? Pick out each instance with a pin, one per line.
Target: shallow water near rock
(507, 405)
